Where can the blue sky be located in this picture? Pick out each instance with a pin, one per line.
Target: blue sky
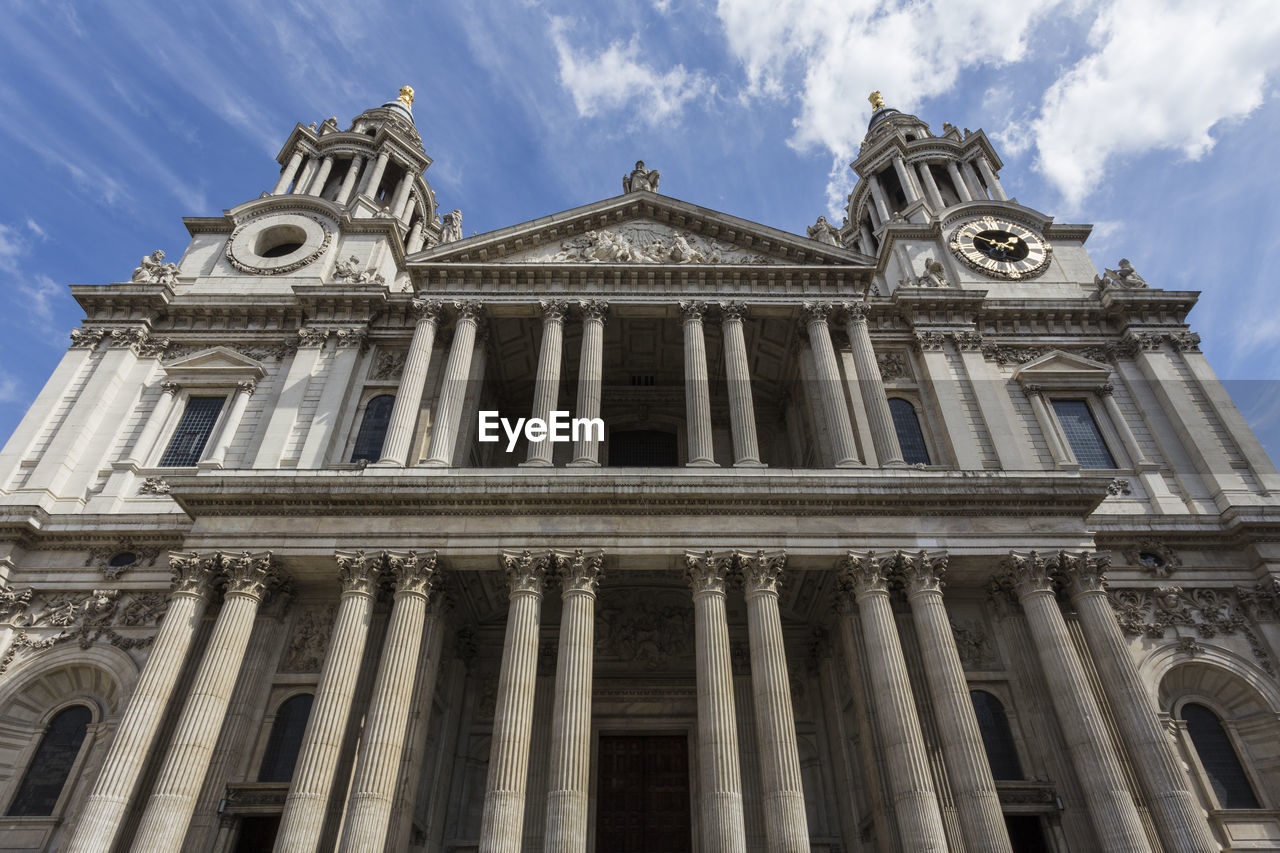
(1156, 121)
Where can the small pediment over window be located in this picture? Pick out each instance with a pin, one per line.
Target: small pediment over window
(220, 363)
(1058, 369)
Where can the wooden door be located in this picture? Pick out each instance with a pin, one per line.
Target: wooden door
(643, 801)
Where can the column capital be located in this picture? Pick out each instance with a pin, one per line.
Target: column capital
(1084, 572)
(856, 312)
(1031, 390)
(193, 574)
(312, 337)
(579, 570)
(731, 310)
(358, 571)
(706, 572)
(553, 310)
(248, 386)
(693, 310)
(865, 572)
(760, 571)
(594, 309)
(526, 570)
(815, 312)
(250, 575)
(168, 387)
(427, 309)
(469, 309)
(930, 341)
(353, 336)
(1025, 574)
(413, 572)
(923, 571)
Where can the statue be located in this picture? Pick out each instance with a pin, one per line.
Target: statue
(824, 232)
(153, 270)
(1124, 277)
(877, 102)
(451, 227)
(350, 270)
(935, 275)
(406, 97)
(641, 179)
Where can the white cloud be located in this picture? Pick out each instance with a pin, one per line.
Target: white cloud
(9, 389)
(34, 228)
(1161, 74)
(12, 246)
(38, 295)
(616, 79)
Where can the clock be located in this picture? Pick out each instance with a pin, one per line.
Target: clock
(1000, 248)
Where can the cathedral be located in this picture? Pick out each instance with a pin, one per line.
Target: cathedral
(636, 528)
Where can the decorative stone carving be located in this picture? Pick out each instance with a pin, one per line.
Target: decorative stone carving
(867, 571)
(1119, 486)
(241, 250)
(349, 270)
(967, 341)
(389, 365)
(935, 274)
(154, 486)
(708, 571)
(101, 557)
(930, 341)
(640, 179)
(351, 337)
(526, 570)
(193, 574)
(87, 338)
(643, 633)
(251, 574)
(413, 571)
(139, 341)
(359, 571)
(579, 570)
(83, 616)
(1184, 341)
(1154, 556)
(922, 570)
(973, 645)
(13, 604)
(893, 365)
(469, 309)
(1208, 612)
(1263, 599)
(154, 270)
(310, 640)
(594, 309)
(451, 227)
(553, 309)
(1136, 342)
(1125, 277)
(760, 570)
(824, 232)
(1012, 354)
(644, 243)
(815, 312)
(312, 337)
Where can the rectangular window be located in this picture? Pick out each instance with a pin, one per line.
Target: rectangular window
(1083, 434)
(193, 432)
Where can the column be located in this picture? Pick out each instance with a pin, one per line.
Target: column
(993, 182)
(1111, 808)
(919, 820)
(239, 402)
(386, 726)
(843, 450)
(164, 823)
(930, 185)
(155, 422)
(586, 451)
(349, 181)
(317, 183)
(401, 198)
(546, 385)
(966, 169)
(293, 387)
(413, 243)
(444, 433)
(904, 178)
(1127, 438)
(868, 242)
(1174, 810)
(877, 198)
(314, 773)
(374, 176)
(570, 776)
(720, 779)
(304, 180)
(972, 785)
(335, 395)
(104, 812)
(697, 391)
(962, 189)
(1062, 455)
(785, 823)
(884, 436)
(500, 827)
(742, 412)
(287, 175)
(413, 381)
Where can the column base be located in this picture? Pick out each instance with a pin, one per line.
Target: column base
(535, 463)
(849, 463)
(436, 463)
(385, 463)
(701, 463)
(750, 463)
(583, 463)
(210, 465)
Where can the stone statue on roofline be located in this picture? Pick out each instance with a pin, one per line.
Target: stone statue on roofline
(153, 270)
(824, 232)
(1125, 277)
(640, 179)
(451, 227)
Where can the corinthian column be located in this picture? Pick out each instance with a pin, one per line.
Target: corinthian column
(785, 823)
(1111, 808)
(883, 434)
(586, 450)
(382, 742)
(723, 827)
(413, 380)
(134, 741)
(972, 785)
(546, 387)
(317, 764)
(742, 413)
(866, 575)
(513, 712)
(571, 713)
(453, 393)
(697, 391)
(164, 823)
(1178, 818)
(830, 393)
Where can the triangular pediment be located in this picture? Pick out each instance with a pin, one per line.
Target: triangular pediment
(219, 362)
(1061, 369)
(640, 228)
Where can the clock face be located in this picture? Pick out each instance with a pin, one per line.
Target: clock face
(1000, 248)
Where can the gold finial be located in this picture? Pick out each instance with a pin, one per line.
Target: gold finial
(877, 102)
(406, 96)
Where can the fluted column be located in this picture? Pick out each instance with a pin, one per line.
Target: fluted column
(993, 182)
(962, 189)
(566, 830)
(317, 764)
(168, 813)
(877, 198)
(844, 451)
(546, 386)
(155, 422)
(720, 778)
(972, 785)
(288, 173)
(374, 176)
(134, 741)
(218, 455)
(966, 169)
(317, 183)
(382, 741)
(1111, 806)
(413, 381)
(413, 243)
(904, 178)
(586, 450)
(742, 412)
(457, 372)
(697, 390)
(785, 823)
(349, 181)
(1178, 817)
(930, 185)
(513, 712)
(884, 436)
(920, 822)
(401, 197)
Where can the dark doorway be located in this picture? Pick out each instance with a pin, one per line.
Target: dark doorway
(1025, 834)
(257, 834)
(643, 448)
(643, 806)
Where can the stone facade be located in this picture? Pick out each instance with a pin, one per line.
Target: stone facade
(911, 534)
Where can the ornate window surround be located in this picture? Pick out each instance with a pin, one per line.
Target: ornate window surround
(913, 396)
(1059, 375)
(211, 372)
(23, 762)
(1242, 750)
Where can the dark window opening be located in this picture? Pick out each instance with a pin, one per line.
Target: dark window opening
(1026, 835)
(643, 448)
(193, 432)
(1219, 759)
(373, 429)
(286, 739)
(910, 436)
(894, 194)
(282, 250)
(997, 737)
(51, 765)
(124, 558)
(643, 380)
(1083, 434)
(942, 177)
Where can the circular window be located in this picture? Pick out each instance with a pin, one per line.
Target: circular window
(1151, 560)
(277, 243)
(123, 559)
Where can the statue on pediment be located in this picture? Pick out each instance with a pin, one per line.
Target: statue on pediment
(154, 270)
(824, 232)
(641, 179)
(1125, 277)
(451, 227)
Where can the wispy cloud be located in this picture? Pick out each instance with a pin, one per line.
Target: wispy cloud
(10, 389)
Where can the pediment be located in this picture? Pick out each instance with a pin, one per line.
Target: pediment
(1060, 369)
(641, 228)
(220, 363)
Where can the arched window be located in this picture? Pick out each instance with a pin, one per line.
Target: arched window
(373, 429)
(997, 738)
(1218, 758)
(286, 739)
(47, 773)
(910, 436)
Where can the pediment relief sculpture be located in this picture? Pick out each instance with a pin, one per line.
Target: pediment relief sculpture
(647, 243)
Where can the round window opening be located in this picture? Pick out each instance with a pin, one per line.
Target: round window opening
(1151, 560)
(279, 241)
(124, 558)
